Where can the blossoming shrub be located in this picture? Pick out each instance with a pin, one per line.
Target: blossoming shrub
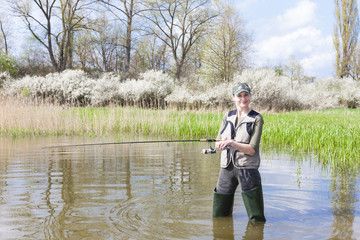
(212, 97)
(349, 92)
(319, 95)
(75, 87)
(71, 87)
(278, 93)
(152, 88)
(149, 90)
(270, 92)
(106, 90)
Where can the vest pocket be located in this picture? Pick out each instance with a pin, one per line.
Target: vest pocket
(240, 159)
(225, 158)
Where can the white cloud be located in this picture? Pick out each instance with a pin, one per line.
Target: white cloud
(293, 32)
(317, 63)
(303, 40)
(301, 15)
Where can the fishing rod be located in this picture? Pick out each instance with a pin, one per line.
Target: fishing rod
(204, 151)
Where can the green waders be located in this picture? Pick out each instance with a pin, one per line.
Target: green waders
(254, 204)
(223, 204)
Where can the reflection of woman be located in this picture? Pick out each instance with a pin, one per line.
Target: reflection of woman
(240, 132)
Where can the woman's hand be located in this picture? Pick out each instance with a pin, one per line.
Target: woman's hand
(224, 143)
(241, 147)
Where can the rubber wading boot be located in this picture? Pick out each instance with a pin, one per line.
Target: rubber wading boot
(254, 204)
(223, 204)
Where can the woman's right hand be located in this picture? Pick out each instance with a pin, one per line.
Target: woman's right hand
(222, 144)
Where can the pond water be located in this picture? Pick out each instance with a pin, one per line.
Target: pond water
(162, 191)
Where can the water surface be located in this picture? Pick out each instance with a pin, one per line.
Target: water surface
(162, 191)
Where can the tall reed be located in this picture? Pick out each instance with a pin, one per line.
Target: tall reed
(332, 135)
(24, 119)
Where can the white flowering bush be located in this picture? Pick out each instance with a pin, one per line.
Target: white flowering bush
(71, 86)
(153, 87)
(75, 87)
(217, 96)
(106, 90)
(180, 97)
(319, 94)
(213, 97)
(150, 90)
(270, 92)
(162, 84)
(348, 91)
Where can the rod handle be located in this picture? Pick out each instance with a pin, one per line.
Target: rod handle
(210, 140)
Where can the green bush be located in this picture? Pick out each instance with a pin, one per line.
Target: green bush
(8, 64)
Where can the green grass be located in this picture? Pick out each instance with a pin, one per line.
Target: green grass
(164, 123)
(331, 135)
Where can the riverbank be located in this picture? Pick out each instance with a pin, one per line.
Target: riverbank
(332, 135)
(19, 119)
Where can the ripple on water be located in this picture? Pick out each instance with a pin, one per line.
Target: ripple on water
(155, 215)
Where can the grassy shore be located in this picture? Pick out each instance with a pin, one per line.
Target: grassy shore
(19, 119)
(332, 135)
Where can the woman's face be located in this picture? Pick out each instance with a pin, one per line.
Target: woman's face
(242, 100)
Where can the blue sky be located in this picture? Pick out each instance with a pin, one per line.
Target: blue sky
(285, 28)
(299, 28)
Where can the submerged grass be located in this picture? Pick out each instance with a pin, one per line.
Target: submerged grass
(332, 135)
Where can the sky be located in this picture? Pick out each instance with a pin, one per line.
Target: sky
(282, 29)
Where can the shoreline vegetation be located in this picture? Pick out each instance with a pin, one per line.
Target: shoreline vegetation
(331, 135)
(312, 117)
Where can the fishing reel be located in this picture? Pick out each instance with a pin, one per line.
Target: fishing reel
(209, 151)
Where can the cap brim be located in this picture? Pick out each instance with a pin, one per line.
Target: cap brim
(241, 90)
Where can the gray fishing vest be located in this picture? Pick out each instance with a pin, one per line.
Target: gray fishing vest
(240, 134)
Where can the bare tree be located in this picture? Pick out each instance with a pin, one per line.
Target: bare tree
(346, 31)
(227, 47)
(179, 24)
(72, 20)
(6, 29)
(125, 11)
(23, 9)
(33, 58)
(355, 64)
(98, 46)
(3, 37)
(293, 70)
(53, 22)
(149, 54)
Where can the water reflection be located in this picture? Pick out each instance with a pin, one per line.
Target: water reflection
(343, 198)
(161, 191)
(223, 228)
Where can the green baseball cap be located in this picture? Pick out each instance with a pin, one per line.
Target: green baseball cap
(241, 87)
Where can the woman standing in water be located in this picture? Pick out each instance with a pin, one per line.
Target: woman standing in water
(240, 132)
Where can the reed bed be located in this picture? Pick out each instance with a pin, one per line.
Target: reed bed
(27, 119)
(331, 135)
